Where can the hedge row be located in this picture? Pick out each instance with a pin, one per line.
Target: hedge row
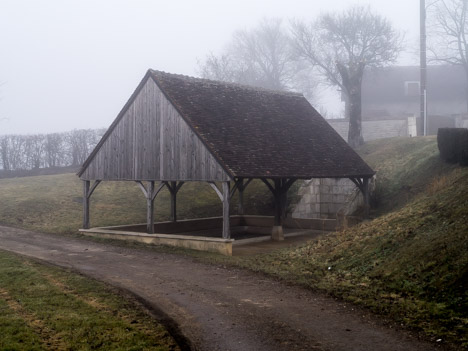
(453, 145)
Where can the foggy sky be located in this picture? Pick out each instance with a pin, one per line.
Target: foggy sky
(73, 64)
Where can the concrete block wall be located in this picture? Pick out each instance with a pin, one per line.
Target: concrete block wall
(324, 198)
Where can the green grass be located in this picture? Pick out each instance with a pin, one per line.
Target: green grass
(53, 203)
(404, 168)
(47, 308)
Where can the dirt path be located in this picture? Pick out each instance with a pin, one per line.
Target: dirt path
(217, 308)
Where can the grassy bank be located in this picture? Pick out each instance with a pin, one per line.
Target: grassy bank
(409, 263)
(47, 308)
(53, 203)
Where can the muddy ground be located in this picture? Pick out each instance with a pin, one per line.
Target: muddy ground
(216, 308)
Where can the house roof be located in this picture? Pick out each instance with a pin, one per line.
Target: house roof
(254, 132)
(444, 82)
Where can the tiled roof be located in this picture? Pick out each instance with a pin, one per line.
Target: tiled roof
(261, 133)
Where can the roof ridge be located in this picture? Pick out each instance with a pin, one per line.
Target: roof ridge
(228, 84)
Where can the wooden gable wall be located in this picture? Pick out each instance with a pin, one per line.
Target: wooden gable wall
(153, 142)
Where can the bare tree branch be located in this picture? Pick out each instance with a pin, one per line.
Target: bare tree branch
(340, 46)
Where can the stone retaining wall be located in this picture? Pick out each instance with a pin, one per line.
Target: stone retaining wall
(327, 197)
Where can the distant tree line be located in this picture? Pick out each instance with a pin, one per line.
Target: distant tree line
(26, 152)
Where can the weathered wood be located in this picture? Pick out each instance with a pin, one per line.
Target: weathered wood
(88, 190)
(278, 202)
(150, 208)
(86, 204)
(363, 185)
(143, 188)
(215, 188)
(93, 187)
(174, 189)
(240, 208)
(267, 183)
(226, 221)
(150, 194)
(158, 189)
(279, 189)
(151, 141)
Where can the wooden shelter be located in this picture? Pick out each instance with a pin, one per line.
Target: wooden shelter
(176, 129)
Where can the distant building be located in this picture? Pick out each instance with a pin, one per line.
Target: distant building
(394, 93)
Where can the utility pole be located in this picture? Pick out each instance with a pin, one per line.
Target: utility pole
(423, 69)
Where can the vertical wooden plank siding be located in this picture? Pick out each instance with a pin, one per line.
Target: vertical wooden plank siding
(153, 142)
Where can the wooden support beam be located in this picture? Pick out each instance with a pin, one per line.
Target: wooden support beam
(226, 199)
(88, 190)
(363, 186)
(267, 183)
(142, 187)
(158, 189)
(278, 202)
(215, 188)
(86, 204)
(174, 188)
(150, 194)
(150, 208)
(240, 208)
(93, 187)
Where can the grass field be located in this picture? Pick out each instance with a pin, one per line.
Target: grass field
(54, 203)
(47, 308)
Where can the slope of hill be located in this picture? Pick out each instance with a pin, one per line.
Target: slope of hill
(53, 203)
(411, 262)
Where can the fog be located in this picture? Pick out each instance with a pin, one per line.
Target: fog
(73, 64)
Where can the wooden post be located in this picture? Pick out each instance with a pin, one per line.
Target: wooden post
(173, 191)
(150, 208)
(277, 230)
(226, 224)
(240, 209)
(86, 204)
(278, 203)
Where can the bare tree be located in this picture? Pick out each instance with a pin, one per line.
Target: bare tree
(53, 149)
(12, 152)
(34, 151)
(80, 143)
(260, 57)
(5, 152)
(448, 33)
(340, 46)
